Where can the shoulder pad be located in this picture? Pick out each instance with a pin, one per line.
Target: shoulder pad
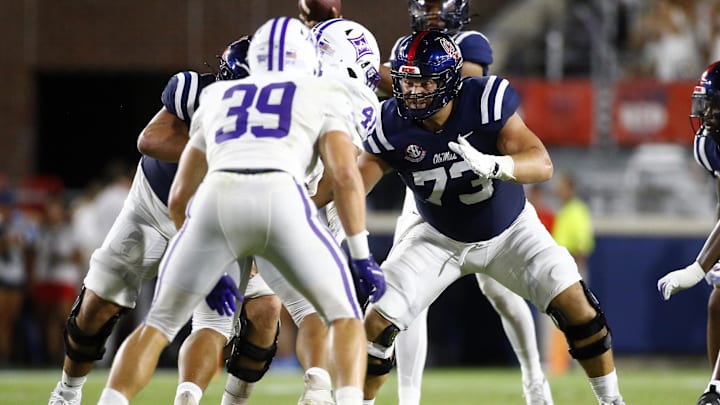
(182, 92)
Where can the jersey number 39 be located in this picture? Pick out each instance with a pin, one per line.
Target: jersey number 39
(283, 92)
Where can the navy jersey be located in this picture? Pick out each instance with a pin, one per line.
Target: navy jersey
(707, 154)
(181, 98)
(448, 194)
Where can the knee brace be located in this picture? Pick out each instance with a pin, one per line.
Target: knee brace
(584, 331)
(89, 347)
(381, 354)
(241, 347)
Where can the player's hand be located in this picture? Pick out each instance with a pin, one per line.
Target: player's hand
(679, 280)
(223, 295)
(485, 166)
(371, 280)
(712, 277)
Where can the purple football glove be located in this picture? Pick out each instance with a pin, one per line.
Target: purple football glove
(223, 295)
(371, 280)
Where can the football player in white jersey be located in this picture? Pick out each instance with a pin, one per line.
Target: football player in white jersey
(348, 53)
(133, 248)
(451, 16)
(257, 139)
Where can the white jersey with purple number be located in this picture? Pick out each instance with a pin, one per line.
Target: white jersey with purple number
(260, 136)
(258, 123)
(364, 112)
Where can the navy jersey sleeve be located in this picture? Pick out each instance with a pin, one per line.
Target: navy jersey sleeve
(498, 100)
(181, 95)
(707, 154)
(474, 47)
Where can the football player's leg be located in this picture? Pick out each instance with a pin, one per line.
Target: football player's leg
(255, 342)
(202, 350)
(306, 254)
(519, 327)
(534, 266)
(195, 261)
(312, 336)
(419, 267)
(713, 328)
(411, 346)
(713, 345)
(128, 256)
(410, 355)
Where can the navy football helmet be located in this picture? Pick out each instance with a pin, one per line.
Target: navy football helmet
(448, 15)
(425, 55)
(705, 113)
(233, 61)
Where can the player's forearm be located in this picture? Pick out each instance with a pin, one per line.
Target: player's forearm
(349, 197)
(532, 166)
(164, 137)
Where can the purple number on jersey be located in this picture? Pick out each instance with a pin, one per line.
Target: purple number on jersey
(283, 109)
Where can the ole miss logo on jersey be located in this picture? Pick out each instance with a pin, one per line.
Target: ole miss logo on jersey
(414, 153)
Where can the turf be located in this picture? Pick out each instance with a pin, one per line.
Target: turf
(493, 386)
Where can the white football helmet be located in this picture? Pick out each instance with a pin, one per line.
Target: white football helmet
(348, 49)
(283, 44)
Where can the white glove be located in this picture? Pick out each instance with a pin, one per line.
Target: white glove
(485, 166)
(713, 276)
(679, 280)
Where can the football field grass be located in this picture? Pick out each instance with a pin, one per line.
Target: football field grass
(492, 386)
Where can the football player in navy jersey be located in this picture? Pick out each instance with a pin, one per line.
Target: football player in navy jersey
(461, 147)
(451, 16)
(134, 246)
(705, 115)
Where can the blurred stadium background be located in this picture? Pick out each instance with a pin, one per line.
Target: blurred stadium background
(605, 83)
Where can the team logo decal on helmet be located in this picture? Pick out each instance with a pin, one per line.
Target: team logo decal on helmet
(450, 48)
(349, 50)
(361, 46)
(415, 153)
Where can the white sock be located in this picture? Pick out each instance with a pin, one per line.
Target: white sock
(237, 391)
(189, 387)
(410, 355)
(73, 383)
(110, 396)
(349, 395)
(606, 388)
(368, 402)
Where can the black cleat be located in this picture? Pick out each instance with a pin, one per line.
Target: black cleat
(711, 397)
